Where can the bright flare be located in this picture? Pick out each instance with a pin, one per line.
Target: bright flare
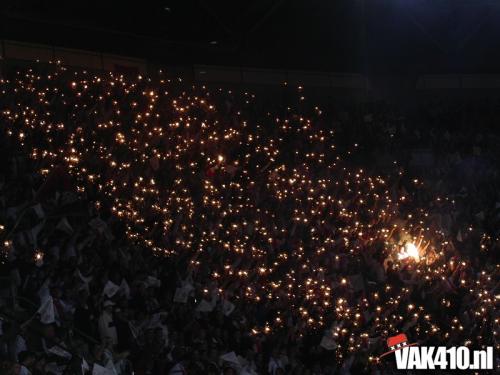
(409, 251)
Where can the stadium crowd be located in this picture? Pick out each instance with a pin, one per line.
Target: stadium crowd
(154, 227)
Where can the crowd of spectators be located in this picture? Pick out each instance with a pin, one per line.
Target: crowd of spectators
(154, 227)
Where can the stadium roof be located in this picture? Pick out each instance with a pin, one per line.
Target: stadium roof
(365, 36)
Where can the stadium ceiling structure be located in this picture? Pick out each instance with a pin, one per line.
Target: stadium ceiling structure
(366, 36)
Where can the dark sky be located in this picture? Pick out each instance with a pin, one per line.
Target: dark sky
(366, 36)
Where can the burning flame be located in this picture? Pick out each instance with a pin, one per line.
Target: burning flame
(410, 250)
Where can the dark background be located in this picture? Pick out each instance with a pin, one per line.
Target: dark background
(358, 36)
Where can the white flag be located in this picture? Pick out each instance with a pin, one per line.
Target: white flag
(84, 279)
(125, 289)
(99, 370)
(110, 366)
(231, 357)
(64, 226)
(328, 342)
(153, 282)
(110, 289)
(205, 306)
(181, 295)
(60, 352)
(46, 311)
(34, 233)
(39, 211)
(85, 366)
(227, 307)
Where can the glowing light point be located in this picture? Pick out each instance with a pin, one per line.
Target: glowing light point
(410, 250)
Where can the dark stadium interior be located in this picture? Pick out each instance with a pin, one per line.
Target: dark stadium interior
(249, 188)
(379, 36)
